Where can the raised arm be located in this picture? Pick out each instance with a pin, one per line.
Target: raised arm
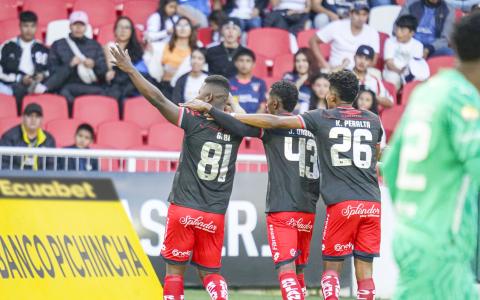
(166, 107)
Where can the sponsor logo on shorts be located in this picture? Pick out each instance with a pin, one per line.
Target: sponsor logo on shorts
(276, 256)
(323, 247)
(292, 289)
(293, 252)
(361, 211)
(298, 223)
(325, 227)
(181, 254)
(170, 297)
(342, 248)
(273, 242)
(198, 223)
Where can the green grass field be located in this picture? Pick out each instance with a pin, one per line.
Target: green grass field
(244, 295)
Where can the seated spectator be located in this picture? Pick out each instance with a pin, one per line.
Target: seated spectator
(247, 90)
(248, 12)
(366, 100)
(196, 11)
(345, 36)
(174, 56)
(84, 137)
(220, 58)
(435, 22)
(28, 134)
(400, 50)
(320, 88)
(290, 15)
(23, 62)
(119, 85)
(77, 63)
(215, 20)
(363, 61)
(327, 11)
(188, 85)
(304, 68)
(160, 24)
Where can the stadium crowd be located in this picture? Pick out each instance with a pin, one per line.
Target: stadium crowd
(185, 40)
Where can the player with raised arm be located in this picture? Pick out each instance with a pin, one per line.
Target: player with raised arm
(201, 188)
(348, 144)
(293, 185)
(432, 170)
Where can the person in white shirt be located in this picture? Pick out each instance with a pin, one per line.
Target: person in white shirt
(400, 50)
(160, 24)
(345, 36)
(364, 60)
(290, 15)
(187, 86)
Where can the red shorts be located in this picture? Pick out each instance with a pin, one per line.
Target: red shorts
(195, 236)
(352, 227)
(289, 236)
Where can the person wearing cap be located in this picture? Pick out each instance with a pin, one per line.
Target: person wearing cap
(28, 134)
(77, 63)
(363, 60)
(220, 57)
(290, 15)
(344, 37)
(435, 23)
(23, 60)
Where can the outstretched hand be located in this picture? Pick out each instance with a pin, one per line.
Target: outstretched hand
(198, 105)
(122, 59)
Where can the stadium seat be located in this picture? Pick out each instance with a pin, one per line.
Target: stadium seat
(153, 165)
(166, 137)
(261, 68)
(63, 130)
(391, 90)
(303, 37)
(281, 65)
(390, 118)
(407, 91)
(7, 123)
(440, 62)
(60, 29)
(204, 35)
(8, 106)
(9, 30)
(325, 49)
(140, 112)
(47, 11)
(382, 18)
(119, 135)
(270, 42)
(99, 12)
(105, 34)
(95, 109)
(381, 62)
(139, 10)
(54, 106)
(269, 81)
(106, 164)
(8, 10)
(251, 146)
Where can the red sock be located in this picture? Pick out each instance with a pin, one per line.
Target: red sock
(173, 287)
(291, 289)
(301, 281)
(216, 286)
(330, 285)
(366, 289)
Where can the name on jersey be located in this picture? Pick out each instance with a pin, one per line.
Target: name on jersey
(223, 137)
(352, 123)
(301, 132)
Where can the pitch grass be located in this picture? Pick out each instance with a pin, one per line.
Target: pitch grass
(192, 294)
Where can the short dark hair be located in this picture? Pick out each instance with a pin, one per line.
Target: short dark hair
(466, 37)
(407, 21)
(28, 16)
(244, 52)
(286, 92)
(345, 84)
(219, 81)
(86, 127)
(202, 51)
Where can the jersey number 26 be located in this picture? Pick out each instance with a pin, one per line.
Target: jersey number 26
(360, 161)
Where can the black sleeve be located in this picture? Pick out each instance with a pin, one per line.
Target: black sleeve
(261, 4)
(233, 125)
(100, 67)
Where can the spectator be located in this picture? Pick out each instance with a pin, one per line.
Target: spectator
(400, 50)
(304, 68)
(220, 58)
(367, 100)
(320, 88)
(23, 62)
(28, 134)
(160, 24)
(345, 36)
(435, 22)
(188, 85)
(364, 60)
(247, 12)
(247, 90)
(119, 84)
(216, 19)
(330, 10)
(196, 11)
(77, 63)
(290, 15)
(84, 137)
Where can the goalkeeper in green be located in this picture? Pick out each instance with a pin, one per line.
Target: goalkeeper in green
(432, 170)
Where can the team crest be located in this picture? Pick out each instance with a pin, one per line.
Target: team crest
(255, 86)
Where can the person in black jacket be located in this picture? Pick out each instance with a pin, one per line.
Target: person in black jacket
(23, 62)
(84, 137)
(187, 86)
(28, 134)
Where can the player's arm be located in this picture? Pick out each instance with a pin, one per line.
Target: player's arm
(167, 108)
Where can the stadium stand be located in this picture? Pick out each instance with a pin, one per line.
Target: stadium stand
(382, 18)
(7, 123)
(269, 42)
(440, 62)
(390, 118)
(303, 37)
(9, 29)
(141, 113)
(139, 10)
(54, 106)
(63, 130)
(166, 137)
(282, 64)
(8, 10)
(261, 67)
(101, 13)
(59, 29)
(407, 91)
(119, 135)
(95, 109)
(204, 35)
(8, 106)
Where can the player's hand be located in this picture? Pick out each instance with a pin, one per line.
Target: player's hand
(121, 59)
(198, 105)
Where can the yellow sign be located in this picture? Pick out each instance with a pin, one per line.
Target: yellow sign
(69, 239)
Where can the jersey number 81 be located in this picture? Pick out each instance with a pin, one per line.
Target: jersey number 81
(212, 162)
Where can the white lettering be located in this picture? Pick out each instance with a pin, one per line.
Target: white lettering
(243, 231)
(360, 210)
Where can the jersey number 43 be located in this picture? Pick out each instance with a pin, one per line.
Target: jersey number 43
(307, 156)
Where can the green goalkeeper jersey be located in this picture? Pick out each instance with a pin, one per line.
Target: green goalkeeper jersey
(432, 168)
